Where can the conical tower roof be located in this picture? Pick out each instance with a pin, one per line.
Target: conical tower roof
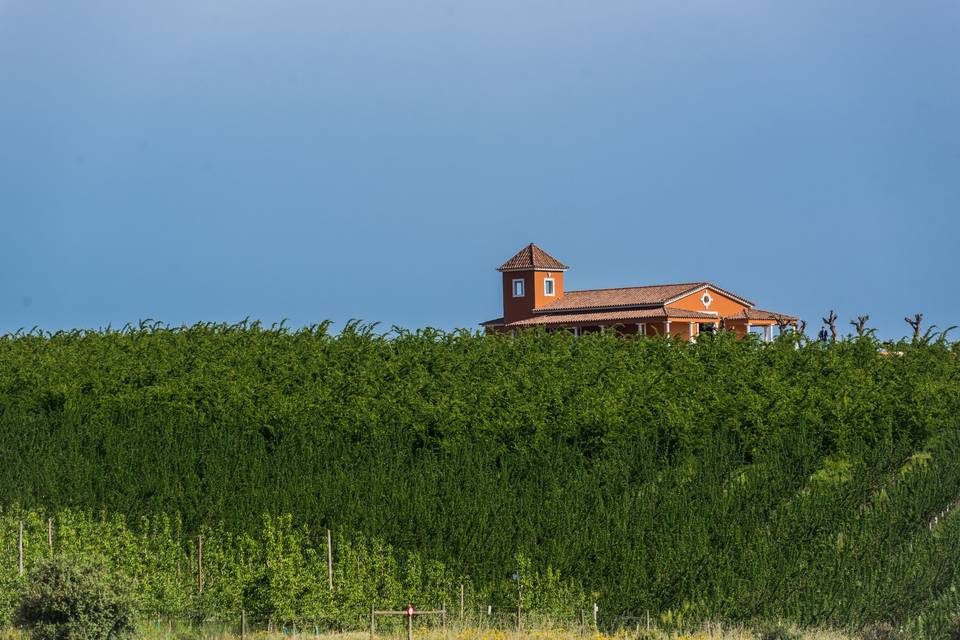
(532, 257)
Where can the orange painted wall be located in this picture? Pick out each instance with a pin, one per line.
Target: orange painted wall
(542, 299)
(533, 296)
(656, 328)
(722, 304)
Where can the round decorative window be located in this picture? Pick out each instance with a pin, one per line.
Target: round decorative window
(706, 300)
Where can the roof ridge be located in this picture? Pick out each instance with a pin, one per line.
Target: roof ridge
(644, 286)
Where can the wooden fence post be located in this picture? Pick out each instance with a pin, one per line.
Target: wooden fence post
(50, 533)
(20, 550)
(200, 562)
(461, 602)
(243, 623)
(329, 560)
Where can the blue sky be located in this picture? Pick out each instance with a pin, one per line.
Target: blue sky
(206, 161)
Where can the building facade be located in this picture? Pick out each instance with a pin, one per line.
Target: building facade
(534, 296)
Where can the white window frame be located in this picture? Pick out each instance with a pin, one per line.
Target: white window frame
(553, 287)
(522, 288)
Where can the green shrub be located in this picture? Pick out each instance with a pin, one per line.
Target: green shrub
(780, 632)
(881, 631)
(69, 598)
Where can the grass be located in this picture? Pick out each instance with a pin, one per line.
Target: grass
(711, 631)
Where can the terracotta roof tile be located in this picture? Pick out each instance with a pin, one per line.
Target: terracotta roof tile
(532, 257)
(650, 295)
(760, 314)
(621, 297)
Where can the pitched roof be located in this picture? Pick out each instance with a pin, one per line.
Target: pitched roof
(532, 257)
(633, 315)
(651, 295)
(760, 314)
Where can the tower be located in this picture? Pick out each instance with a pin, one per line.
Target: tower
(532, 279)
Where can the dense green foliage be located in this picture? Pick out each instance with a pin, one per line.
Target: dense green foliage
(727, 479)
(76, 598)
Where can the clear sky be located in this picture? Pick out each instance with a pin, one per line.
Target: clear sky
(207, 160)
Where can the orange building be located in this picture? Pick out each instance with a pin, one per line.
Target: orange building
(534, 296)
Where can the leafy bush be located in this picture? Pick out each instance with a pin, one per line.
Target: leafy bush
(70, 598)
(779, 632)
(880, 631)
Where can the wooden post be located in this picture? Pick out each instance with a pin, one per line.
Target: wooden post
(519, 604)
(329, 560)
(595, 609)
(200, 561)
(648, 619)
(409, 624)
(20, 550)
(461, 602)
(373, 622)
(583, 622)
(243, 623)
(50, 533)
(443, 619)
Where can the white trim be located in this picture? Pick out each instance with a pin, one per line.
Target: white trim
(523, 287)
(553, 287)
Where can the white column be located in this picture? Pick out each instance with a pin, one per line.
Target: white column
(576, 332)
(668, 328)
(748, 327)
(692, 339)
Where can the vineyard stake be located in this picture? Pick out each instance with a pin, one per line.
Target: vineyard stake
(461, 602)
(243, 623)
(200, 561)
(50, 533)
(329, 560)
(20, 550)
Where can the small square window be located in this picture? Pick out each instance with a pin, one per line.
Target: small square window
(518, 288)
(548, 286)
